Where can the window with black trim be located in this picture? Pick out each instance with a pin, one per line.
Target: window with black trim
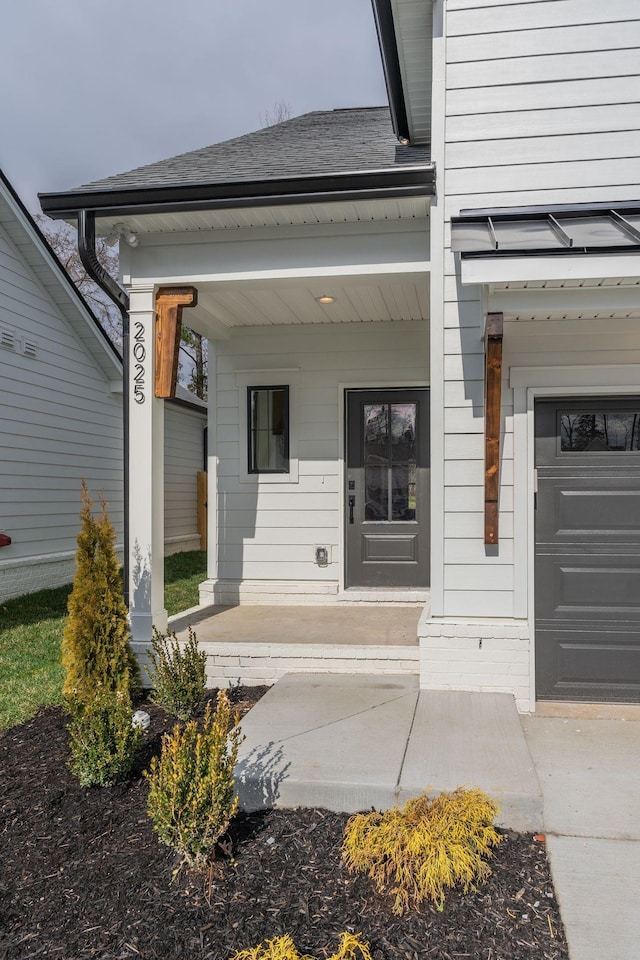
(268, 429)
(602, 431)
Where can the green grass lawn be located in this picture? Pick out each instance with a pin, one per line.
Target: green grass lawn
(31, 632)
(182, 574)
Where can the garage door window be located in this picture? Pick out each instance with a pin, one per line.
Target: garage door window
(599, 432)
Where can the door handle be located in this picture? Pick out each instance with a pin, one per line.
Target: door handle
(352, 503)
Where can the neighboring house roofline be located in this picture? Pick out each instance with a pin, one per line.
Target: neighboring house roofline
(415, 180)
(104, 350)
(184, 398)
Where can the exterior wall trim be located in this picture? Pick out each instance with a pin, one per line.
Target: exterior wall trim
(437, 240)
(571, 267)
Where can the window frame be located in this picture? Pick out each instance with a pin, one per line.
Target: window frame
(261, 377)
(253, 470)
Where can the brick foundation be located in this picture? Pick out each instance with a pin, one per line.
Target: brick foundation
(476, 655)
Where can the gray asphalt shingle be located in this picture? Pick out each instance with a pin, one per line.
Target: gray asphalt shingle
(316, 144)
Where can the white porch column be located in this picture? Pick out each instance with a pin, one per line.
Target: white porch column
(212, 464)
(146, 473)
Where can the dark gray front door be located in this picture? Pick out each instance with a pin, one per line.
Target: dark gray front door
(588, 550)
(387, 488)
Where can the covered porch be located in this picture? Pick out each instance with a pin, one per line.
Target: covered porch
(301, 254)
(299, 317)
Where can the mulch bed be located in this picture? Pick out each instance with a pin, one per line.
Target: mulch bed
(82, 876)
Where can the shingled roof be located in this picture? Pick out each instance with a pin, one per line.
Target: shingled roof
(326, 154)
(316, 144)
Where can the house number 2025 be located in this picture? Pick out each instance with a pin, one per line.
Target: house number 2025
(139, 356)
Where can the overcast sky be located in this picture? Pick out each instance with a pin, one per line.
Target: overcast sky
(90, 88)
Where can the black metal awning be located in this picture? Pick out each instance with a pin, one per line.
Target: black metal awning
(545, 231)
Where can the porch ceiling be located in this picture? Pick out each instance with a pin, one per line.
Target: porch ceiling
(223, 306)
(607, 298)
(238, 218)
(265, 266)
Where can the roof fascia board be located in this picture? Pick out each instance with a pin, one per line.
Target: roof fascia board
(540, 268)
(406, 181)
(76, 300)
(387, 40)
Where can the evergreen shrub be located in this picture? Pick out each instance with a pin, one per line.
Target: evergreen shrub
(96, 653)
(103, 740)
(191, 786)
(178, 674)
(420, 850)
(283, 948)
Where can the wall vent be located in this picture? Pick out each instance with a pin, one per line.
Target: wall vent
(7, 339)
(29, 349)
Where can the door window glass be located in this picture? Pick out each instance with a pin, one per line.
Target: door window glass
(598, 432)
(376, 486)
(389, 436)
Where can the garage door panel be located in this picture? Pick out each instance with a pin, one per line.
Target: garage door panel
(590, 509)
(578, 665)
(595, 588)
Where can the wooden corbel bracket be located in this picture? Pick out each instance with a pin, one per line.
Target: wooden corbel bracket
(492, 401)
(169, 305)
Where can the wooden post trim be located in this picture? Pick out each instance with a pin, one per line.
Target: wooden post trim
(169, 305)
(492, 402)
(203, 492)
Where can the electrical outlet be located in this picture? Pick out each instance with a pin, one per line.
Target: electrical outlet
(322, 555)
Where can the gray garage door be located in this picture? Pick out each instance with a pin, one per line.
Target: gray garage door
(588, 550)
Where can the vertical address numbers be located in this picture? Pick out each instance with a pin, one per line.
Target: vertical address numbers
(139, 356)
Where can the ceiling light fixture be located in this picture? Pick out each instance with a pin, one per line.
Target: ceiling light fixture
(325, 299)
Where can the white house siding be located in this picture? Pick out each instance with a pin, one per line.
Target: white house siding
(267, 530)
(541, 108)
(58, 423)
(183, 458)
(61, 422)
(542, 102)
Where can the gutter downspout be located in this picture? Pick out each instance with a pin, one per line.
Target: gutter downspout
(89, 258)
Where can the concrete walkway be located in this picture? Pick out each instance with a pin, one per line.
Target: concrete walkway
(352, 742)
(348, 742)
(589, 772)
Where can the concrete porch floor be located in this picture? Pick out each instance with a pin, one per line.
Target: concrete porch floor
(260, 644)
(321, 624)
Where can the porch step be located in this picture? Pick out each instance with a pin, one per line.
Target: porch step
(349, 743)
(256, 663)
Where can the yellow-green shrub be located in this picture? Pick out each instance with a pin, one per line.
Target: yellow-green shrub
(283, 948)
(420, 850)
(191, 786)
(178, 673)
(103, 740)
(95, 647)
